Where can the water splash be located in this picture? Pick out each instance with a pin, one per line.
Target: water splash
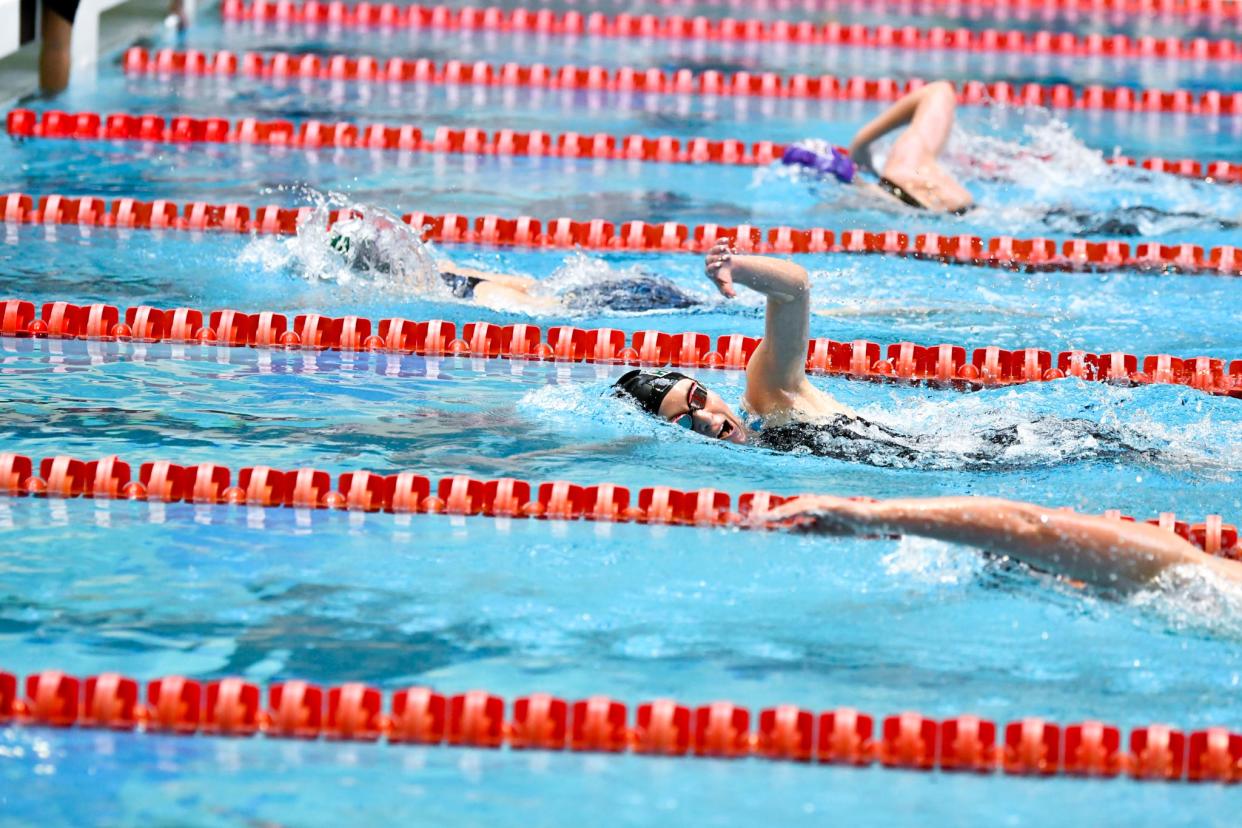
(1048, 179)
(586, 285)
(1070, 422)
(1041, 178)
(367, 249)
(1194, 599)
(932, 563)
(370, 250)
(976, 432)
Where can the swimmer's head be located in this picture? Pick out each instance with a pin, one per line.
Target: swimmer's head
(835, 162)
(676, 398)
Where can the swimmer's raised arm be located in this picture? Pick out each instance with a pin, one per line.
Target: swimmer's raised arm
(1101, 551)
(780, 360)
(902, 113)
(912, 171)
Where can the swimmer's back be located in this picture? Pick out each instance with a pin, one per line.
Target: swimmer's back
(629, 295)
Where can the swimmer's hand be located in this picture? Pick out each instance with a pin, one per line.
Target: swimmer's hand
(819, 515)
(719, 264)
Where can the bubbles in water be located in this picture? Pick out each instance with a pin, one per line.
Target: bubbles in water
(1194, 599)
(926, 562)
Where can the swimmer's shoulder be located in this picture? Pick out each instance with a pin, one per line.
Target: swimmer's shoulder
(810, 405)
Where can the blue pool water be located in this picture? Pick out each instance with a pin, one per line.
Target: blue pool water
(576, 609)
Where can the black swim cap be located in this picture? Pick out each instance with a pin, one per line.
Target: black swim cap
(647, 387)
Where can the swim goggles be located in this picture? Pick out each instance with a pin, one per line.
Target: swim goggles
(696, 400)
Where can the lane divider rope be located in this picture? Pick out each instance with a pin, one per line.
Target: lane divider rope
(1004, 252)
(1209, 10)
(289, 65)
(941, 366)
(314, 134)
(408, 492)
(418, 715)
(1024, 9)
(650, 26)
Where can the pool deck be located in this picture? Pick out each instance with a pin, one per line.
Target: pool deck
(119, 26)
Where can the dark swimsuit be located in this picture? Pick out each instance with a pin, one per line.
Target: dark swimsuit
(1129, 221)
(461, 286)
(642, 293)
(67, 9)
(632, 294)
(858, 440)
(897, 191)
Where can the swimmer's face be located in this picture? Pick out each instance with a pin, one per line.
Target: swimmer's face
(712, 419)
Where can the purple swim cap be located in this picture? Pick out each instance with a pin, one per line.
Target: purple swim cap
(837, 164)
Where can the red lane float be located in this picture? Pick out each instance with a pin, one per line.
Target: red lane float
(1006, 252)
(1073, 10)
(1117, 10)
(418, 715)
(943, 366)
(408, 492)
(403, 137)
(1145, 9)
(647, 26)
(182, 129)
(287, 65)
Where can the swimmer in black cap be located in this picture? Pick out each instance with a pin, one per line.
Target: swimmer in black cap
(912, 172)
(777, 389)
(783, 411)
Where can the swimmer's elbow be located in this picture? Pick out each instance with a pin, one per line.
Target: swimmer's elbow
(797, 282)
(942, 91)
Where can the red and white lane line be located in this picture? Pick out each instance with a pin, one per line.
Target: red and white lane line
(677, 27)
(1208, 10)
(111, 478)
(368, 69)
(942, 366)
(408, 137)
(1005, 252)
(234, 707)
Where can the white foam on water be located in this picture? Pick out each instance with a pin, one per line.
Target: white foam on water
(1052, 424)
(927, 562)
(1044, 178)
(373, 250)
(1194, 599)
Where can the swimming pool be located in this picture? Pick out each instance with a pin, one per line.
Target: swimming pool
(576, 608)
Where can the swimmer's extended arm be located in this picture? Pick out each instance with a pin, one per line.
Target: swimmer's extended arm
(780, 360)
(1097, 550)
(897, 116)
(509, 280)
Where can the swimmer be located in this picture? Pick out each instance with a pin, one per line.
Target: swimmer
(782, 410)
(356, 242)
(912, 172)
(1103, 552)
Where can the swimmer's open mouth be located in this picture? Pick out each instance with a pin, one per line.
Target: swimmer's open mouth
(726, 428)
